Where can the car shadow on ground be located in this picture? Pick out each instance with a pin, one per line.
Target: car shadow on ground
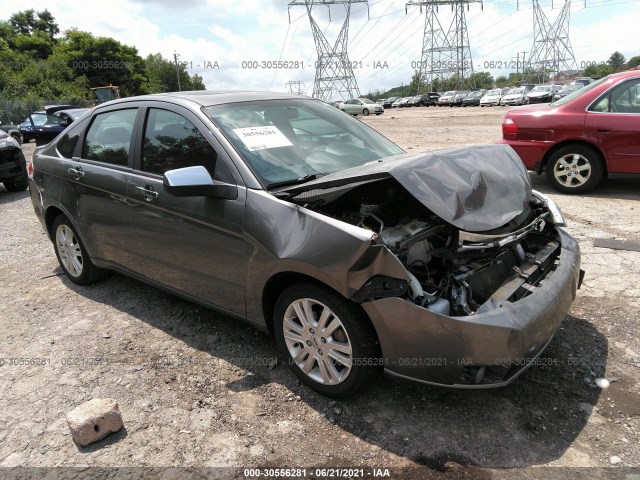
(532, 421)
(9, 197)
(619, 186)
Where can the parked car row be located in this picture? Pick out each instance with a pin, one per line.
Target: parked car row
(422, 100)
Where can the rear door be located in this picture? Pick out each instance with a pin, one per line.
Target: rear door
(95, 190)
(191, 244)
(613, 122)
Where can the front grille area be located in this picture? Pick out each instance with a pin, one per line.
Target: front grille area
(485, 283)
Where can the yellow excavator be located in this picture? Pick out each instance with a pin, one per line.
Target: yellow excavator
(105, 94)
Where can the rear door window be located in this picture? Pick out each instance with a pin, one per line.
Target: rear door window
(67, 143)
(109, 137)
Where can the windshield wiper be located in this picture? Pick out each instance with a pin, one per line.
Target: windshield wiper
(296, 181)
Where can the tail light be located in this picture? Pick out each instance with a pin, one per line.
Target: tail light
(509, 128)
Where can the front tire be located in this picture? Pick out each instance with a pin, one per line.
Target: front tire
(17, 184)
(328, 342)
(365, 112)
(72, 255)
(574, 169)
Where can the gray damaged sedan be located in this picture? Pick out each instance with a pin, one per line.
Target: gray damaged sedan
(443, 268)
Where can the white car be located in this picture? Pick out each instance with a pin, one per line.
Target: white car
(361, 106)
(446, 97)
(515, 96)
(491, 97)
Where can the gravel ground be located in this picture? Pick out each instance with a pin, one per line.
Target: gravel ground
(198, 389)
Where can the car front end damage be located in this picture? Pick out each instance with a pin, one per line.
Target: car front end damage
(489, 273)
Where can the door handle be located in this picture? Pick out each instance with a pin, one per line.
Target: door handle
(76, 173)
(147, 192)
(603, 130)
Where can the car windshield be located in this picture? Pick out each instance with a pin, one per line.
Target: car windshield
(289, 140)
(579, 92)
(516, 91)
(492, 93)
(367, 100)
(449, 94)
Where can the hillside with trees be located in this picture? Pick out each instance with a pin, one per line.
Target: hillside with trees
(39, 64)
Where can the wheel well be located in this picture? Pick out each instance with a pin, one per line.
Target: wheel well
(558, 146)
(277, 284)
(50, 215)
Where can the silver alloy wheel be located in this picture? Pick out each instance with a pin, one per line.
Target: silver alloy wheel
(69, 250)
(317, 341)
(572, 170)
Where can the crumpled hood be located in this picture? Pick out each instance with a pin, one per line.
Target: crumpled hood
(475, 188)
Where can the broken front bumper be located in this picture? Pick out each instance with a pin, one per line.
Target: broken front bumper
(489, 349)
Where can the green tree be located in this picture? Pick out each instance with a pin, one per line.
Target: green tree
(502, 82)
(28, 22)
(598, 70)
(416, 84)
(104, 61)
(633, 62)
(162, 77)
(616, 61)
(30, 33)
(480, 80)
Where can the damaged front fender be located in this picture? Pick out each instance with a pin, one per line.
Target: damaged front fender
(288, 238)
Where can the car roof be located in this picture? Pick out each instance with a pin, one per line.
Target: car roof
(206, 98)
(74, 110)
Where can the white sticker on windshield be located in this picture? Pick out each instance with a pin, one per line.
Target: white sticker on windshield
(261, 138)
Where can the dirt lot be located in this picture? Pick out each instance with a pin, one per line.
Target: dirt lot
(198, 389)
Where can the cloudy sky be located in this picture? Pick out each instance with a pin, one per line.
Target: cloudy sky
(220, 39)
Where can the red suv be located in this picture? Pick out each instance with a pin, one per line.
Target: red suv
(580, 138)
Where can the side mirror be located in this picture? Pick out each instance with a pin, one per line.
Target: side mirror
(196, 182)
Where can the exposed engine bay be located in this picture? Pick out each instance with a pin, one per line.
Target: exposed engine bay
(452, 271)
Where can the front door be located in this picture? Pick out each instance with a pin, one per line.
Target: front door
(191, 244)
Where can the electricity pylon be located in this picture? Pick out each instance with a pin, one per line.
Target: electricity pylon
(334, 73)
(445, 49)
(295, 87)
(551, 53)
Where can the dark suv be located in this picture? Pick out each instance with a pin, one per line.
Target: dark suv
(13, 166)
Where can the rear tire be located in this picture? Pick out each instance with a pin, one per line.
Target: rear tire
(328, 342)
(574, 169)
(72, 255)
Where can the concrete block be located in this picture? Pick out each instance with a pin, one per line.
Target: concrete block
(94, 420)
